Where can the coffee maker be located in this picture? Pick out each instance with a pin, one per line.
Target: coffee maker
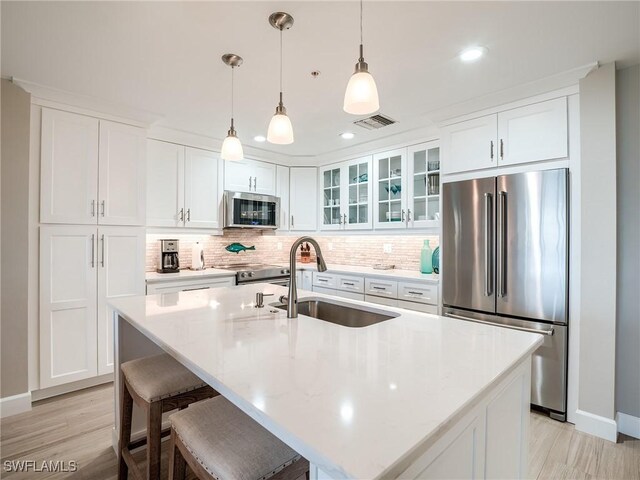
(169, 262)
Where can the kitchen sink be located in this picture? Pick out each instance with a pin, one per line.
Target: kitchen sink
(341, 314)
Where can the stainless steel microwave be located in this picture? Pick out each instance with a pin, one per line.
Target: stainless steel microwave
(251, 210)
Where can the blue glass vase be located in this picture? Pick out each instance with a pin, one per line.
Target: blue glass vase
(426, 261)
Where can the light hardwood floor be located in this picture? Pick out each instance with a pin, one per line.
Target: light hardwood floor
(78, 426)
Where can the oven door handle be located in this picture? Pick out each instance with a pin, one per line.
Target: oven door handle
(548, 331)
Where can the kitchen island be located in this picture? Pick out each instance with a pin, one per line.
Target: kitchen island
(416, 396)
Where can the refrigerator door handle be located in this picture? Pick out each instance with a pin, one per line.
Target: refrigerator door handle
(488, 250)
(502, 231)
(548, 331)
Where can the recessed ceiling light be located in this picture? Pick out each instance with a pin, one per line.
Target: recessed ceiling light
(347, 135)
(472, 54)
(259, 138)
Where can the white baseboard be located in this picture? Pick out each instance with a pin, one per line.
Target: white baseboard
(15, 404)
(71, 387)
(628, 424)
(596, 425)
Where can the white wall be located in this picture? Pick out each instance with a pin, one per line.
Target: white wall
(596, 398)
(628, 245)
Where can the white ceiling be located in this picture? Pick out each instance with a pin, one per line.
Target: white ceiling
(164, 57)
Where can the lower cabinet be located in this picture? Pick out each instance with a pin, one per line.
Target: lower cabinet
(81, 268)
(304, 279)
(187, 285)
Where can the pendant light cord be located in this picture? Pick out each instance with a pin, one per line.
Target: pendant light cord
(281, 66)
(232, 68)
(361, 42)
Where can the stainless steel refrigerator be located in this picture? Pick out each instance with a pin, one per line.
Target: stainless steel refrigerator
(505, 262)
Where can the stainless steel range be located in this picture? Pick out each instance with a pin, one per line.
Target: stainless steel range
(259, 273)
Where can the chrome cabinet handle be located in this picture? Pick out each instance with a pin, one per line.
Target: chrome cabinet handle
(403, 215)
(513, 327)
(502, 231)
(181, 214)
(501, 149)
(378, 288)
(255, 184)
(349, 283)
(491, 149)
(188, 214)
(102, 208)
(408, 215)
(344, 218)
(415, 293)
(488, 244)
(93, 250)
(102, 254)
(93, 208)
(250, 183)
(291, 221)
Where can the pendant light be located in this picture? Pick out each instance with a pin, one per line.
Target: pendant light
(361, 96)
(231, 147)
(280, 129)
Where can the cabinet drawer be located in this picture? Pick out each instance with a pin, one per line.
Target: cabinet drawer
(418, 292)
(418, 307)
(349, 295)
(381, 288)
(350, 284)
(389, 302)
(187, 285)
(324, 280)
(326, 291)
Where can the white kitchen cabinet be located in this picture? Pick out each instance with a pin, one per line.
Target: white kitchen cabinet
(525, 134)
(121, 174)
(282, 191)
(184, 187)
(250, 176)
(69, 168)
(533, 133)
(80, 268)
(346, 195)
(68, 295)
(165, 184)
(389, 302)
(303, 188)
(92, 171)
(120, 258)
(389, 189)
(470, 145)
(189, 284)
(381, 288)
(423, 186)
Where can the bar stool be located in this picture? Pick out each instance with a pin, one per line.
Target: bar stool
(220, 442)
(157, 384)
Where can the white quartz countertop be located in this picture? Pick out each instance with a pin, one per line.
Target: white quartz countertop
(354, 401)
(155, 277)
(372, 272)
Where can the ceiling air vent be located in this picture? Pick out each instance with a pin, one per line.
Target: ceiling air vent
(374, 122)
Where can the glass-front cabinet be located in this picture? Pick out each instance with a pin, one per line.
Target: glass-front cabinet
(390, 197)
(346, 195)
(423, 206)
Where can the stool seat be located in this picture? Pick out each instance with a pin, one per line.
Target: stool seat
(229, 444)
(159, 377)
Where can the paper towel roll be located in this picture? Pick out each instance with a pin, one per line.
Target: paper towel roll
(197, 257)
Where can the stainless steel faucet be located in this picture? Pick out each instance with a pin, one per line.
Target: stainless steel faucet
(292, 298)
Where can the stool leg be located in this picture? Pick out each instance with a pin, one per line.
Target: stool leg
(126, 412)
(177, 463)
(154, 431)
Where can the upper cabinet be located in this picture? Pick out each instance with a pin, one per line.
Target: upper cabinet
(184, 187)
(423, 187)
(303, 188)
(346, 195)
(250, 176)
(389, 186)
(282, 191)
(520, 135)
(92, 171)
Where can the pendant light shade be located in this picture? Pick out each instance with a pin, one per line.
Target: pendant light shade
(231, 147)
(361, 96)
(280, 129)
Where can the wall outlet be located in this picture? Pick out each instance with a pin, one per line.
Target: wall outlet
(330, 246)
(387, 247)
(279, 246)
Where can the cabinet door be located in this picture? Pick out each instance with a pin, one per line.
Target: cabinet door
(282, 191)
(238, 175)
(122, 174)
(390, 173)
(68, 262)
(357, 194)
(331, 198)
(202, 189)
(120, 260)
(303, 194)
(423, 209)
(469, 145)
(264, 178)
(533, 133)
(165, 184)
(69, 168)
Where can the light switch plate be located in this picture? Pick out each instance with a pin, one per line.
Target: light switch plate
(387, 247)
